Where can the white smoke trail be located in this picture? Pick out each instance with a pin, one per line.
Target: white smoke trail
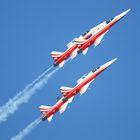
(27, 87)
(26, 130)
(22, 97)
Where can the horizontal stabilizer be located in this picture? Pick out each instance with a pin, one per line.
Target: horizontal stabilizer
(44, 108)
(65, 90)
(55, 55)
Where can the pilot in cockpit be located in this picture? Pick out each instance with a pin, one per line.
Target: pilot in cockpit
(108, 21)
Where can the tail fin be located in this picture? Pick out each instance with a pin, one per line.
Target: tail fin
(55, 55)
(65, 90)
(44, 109)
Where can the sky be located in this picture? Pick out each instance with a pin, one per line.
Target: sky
(31, 29)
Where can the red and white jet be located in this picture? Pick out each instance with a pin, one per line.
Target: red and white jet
(83, 42)
(69, 93)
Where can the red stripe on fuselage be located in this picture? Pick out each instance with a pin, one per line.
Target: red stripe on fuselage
(66, 54)
(90, 42)
(74, 91)
(93, 39)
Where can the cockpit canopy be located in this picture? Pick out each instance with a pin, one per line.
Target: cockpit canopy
(83, 76)
(95, 69)
(85, 33)
(108, 21)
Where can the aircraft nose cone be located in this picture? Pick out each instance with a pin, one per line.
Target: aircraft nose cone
(109, 63)
(124, 13)
(112, 61)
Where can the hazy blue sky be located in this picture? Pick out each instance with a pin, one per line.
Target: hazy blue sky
(31, 29)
